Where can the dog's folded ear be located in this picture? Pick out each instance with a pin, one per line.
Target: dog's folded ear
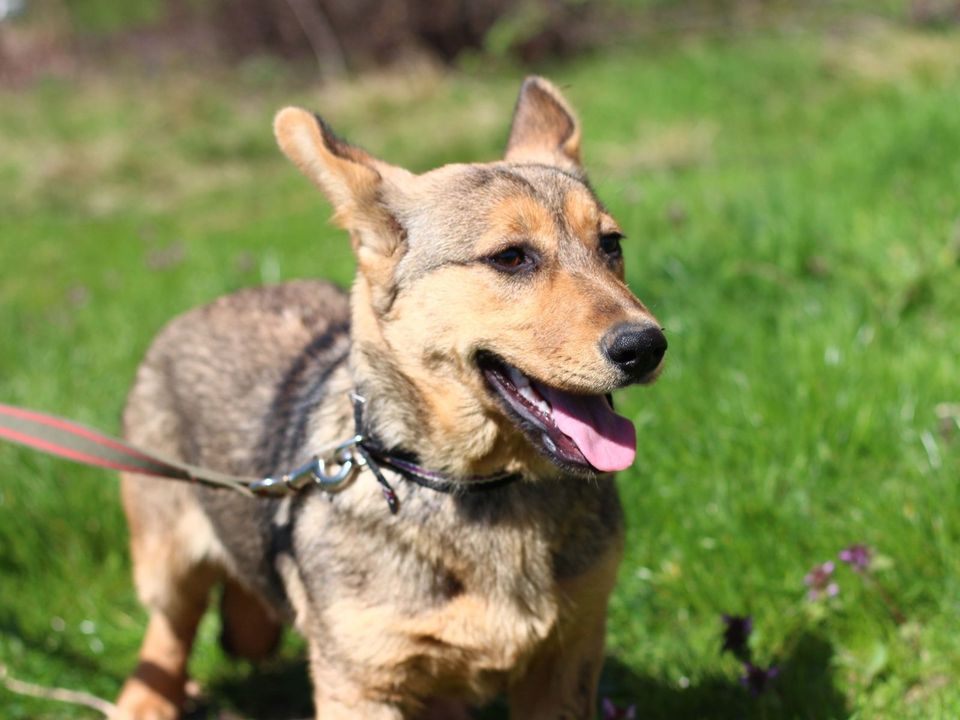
(544, 129)
(346, 174)
(352, 179)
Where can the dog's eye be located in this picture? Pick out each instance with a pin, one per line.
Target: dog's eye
(610, 244)
(513, 259)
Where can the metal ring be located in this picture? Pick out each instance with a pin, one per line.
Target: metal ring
(332, 481)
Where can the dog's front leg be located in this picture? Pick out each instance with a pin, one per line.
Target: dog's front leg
(561, 681)
(156, 689)
(338, 696)
(345, 704)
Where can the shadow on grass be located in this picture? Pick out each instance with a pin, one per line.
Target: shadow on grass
(281, 690)
(803, 689)
(278, 689)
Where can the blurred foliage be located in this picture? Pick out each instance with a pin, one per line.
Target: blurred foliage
(339, 33)
(106, 16)
(354, 34)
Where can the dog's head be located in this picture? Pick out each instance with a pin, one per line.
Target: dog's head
(490, 313)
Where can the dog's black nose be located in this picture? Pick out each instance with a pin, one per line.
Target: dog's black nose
(636, 349)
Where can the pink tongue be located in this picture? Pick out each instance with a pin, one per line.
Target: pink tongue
(607, 440)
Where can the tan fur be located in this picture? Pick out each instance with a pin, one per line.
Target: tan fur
(457, 597)
(567, 668)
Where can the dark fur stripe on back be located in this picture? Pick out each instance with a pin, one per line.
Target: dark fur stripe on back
(298, 394)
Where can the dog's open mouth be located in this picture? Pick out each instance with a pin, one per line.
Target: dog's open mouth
(581, 431)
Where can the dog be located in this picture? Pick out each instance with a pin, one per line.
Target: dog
(488, 323)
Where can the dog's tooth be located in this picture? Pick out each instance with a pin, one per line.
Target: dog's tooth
(548, 442)
(527, 392)
(518, 378)
(544, 406)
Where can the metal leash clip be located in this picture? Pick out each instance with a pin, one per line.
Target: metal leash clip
(348, 460)
(343, 464)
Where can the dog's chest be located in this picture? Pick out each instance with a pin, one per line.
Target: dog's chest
(446, 598)
(504, 611)
(431, 606)
(473, 640)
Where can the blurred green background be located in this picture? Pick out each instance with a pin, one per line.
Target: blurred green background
(788, 175)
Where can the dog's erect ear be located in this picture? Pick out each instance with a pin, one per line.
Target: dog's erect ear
(351, 178)
(544, 128)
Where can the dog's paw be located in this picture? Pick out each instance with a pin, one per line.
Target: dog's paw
(137, 701)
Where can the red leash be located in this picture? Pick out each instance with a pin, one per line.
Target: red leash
(340, 463)
(70, 440)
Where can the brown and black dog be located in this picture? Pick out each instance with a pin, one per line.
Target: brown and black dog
(487, 325)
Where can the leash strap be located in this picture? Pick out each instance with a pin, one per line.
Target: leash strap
(73, 441)
(81, 444)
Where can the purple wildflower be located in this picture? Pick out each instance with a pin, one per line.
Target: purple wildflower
(613, 712)
(820, 581)
(757, 679)
(736, 633)
(857, 556)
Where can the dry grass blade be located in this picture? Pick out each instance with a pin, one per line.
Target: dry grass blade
(74, 697)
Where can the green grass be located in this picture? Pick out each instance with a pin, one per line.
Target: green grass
(791, 200)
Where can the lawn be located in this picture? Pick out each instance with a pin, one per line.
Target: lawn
(791, 197)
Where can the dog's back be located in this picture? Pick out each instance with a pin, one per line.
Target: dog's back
(223, 381)
(231, 386)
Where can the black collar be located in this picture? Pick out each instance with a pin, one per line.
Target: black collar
(405, 464)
